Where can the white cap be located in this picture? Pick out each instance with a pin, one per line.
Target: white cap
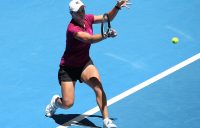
(74, 5)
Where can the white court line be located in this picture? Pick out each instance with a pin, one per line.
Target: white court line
(137, 88)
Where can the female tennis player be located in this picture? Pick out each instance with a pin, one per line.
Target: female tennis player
(76, 63)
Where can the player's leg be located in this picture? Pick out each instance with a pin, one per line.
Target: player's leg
(67, 100)
(67, 89)
(91, 77)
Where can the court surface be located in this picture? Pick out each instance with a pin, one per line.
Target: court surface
(32, 40)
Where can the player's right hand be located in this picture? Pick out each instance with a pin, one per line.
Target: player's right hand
(112, 33)
(123, 3)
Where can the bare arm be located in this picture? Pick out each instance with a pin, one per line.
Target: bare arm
(113, 12)
(87, 38)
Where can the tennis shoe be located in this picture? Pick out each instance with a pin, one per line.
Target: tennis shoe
(51, 107)
(108, 123)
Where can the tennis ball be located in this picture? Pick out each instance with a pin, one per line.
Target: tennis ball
(175, 40)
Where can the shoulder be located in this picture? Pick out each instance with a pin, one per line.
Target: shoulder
(72, 28)
(89, 18)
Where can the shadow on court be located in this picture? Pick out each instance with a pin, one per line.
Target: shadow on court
(75, 119)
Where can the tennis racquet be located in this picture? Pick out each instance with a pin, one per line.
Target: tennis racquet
(105, 25)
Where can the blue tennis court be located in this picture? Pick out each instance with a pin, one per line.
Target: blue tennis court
(32, 40)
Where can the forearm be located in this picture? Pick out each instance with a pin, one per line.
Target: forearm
(114, 12)
(96, 38)
(87, 38)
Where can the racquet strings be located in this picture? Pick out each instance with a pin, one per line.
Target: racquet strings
(105, 26)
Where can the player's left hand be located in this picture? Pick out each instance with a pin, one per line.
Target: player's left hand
(123, 3)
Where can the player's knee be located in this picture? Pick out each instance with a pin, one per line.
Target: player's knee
(68, 104)
(99, 91)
